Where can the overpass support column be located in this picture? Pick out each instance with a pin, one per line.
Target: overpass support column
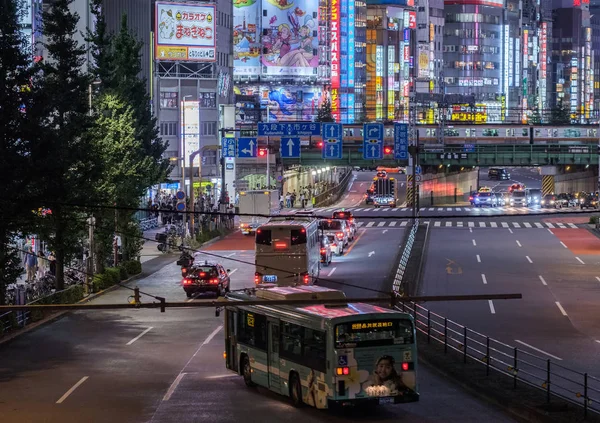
(548, 173)
(409, 191)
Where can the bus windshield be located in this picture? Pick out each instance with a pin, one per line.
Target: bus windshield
(373, 333)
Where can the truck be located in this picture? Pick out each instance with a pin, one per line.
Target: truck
(258, 202)
(384, 192)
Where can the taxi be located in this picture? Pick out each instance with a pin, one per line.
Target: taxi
(485, 189)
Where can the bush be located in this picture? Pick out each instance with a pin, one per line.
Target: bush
(593, 220)
(113, 274)
(123, 272)
(69, 296)
(132, 267)
(101, 281)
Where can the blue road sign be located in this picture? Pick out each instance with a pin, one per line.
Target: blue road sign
(400, 141)
(247, 147)
(290, 148)
(227, 147)
(418, 170)
(180, 195)
(332, 141)
(373, 141)
(289, 129)
(180, 207)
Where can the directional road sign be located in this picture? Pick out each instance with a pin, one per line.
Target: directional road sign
(289, 129)
(373, 141)
(400, 141)
(332, 141)
(227, 147)
(246, 147)
(290, 148)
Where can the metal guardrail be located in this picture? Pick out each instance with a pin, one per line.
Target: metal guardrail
(399, 287)
(522, 366)
(332, 196)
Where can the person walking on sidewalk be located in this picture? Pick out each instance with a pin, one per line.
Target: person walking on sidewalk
(41, 265)
(30, 263)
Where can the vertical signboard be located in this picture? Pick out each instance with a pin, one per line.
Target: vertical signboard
(185, 32)
(190, 130)
(351, 60)
(379, 82)
(344, 60)
(246, 38)
(506, 76)
(335, 59)
(391, 110)
(543, 64)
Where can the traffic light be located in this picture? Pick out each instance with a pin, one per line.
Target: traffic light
(320, 144)
(387, 150)
(262, 152)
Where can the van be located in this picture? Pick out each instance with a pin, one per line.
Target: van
(499, 173)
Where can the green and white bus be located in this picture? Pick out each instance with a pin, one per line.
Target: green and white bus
(322, 355)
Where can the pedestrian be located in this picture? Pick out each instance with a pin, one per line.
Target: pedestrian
(302, 200)
(41, 265)
(30, 264)
(52, 262)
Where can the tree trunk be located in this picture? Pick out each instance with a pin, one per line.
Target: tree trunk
(99, 246)
(60, 254)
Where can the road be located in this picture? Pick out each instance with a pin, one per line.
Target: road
(557, 270)
(147, 366)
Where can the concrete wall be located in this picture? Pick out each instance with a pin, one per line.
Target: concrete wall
(576, 182)
(438, 189)
(294, 180)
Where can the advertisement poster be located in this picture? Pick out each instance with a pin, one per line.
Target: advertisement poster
(289, 37)
(185, 32)
(246, 38)
(423, 52)
(286, 102)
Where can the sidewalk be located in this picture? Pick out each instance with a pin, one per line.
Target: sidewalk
(149, 249)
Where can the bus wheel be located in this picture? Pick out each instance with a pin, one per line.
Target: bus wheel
(295, 390)
(247, 372)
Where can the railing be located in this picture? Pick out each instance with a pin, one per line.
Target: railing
(399, 286)
(331, 196)
(521, 366)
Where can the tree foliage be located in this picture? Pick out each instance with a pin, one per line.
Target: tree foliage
(324, 113)
(560, 115)
(15, 99)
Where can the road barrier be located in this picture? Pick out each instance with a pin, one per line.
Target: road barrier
(522, 366)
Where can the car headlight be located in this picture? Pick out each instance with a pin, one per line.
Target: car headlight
(581, 201)
(551, 201)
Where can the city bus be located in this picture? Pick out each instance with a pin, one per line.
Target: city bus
(322, 355)
(288, 251)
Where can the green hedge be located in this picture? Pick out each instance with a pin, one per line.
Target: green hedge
(68, 296)
(132, 267)
(593, 219)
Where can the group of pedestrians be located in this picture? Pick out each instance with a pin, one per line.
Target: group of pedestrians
(37, 265)
(307, 195)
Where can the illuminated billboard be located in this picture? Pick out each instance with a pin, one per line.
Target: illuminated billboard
(190, 130)
(289, 37)
(246, 39)
(185, 32)
(493, 3)
(336, 44)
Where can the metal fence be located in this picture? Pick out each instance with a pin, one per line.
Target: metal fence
(399, 287)
(522, 366)
(331, 196)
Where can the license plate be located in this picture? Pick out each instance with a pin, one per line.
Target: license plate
(269, 278)
(386, 400)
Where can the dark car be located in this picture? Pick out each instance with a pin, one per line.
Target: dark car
(369, 196)
(588, 201)
(548, 200)
(326, 253)
(498, 173)
(207, 277)
(535, 196)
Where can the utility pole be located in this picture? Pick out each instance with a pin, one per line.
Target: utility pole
(268, 156)
(183, 160)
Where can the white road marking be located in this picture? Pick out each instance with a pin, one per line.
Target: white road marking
(233, 271)
(492, 309)
(182, 373)
(371, 253)
(139, 336)
(471, 224)
(519, 244)
(404, 223)
(562, 310)
(227, 375)
(449, 209)
(431, 209)
(504, 224)
(598, 278)
(448, 224)
(483, 278)
(493, 224)
(516, 225)
(70, 391)
(385, 230)
(527, 224)
(478, 258)
(572, 225)
(474, 243)
(550, 225)
(459, 224)
(563, 244)
(538, 225)
(437, 224)
(482, 224)
(393, 223)
(380, 224)
(359, 224)
(579, 260)
(528, 259)
(560, 225)
(230, 255)
(471, 230)
(395, 209)
(370, 224)
(542, 279)
(598, 341)
(550, 230)
(538, 350)
(331, 272)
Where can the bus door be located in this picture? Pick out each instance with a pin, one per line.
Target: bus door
(230, 340)
(273, 356)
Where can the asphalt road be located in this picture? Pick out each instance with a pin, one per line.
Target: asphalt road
(556, 270)
(147, 366)
(528, 176)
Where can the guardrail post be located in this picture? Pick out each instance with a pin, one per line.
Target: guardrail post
(489, 358)
(548, 381)
(428, 326)
(515, 363)
(585, 395)
(445, 335)
(465, 345)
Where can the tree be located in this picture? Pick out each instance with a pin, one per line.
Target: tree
(64, 154)
(560, 115)
(324, 113)
(14, 147)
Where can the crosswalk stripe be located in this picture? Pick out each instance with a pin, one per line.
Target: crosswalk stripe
(393, 223)
(404, 223)
(560, 225)
(471, 224)
(384, 210)
(380, 224)
(405, 208)
(370, 224)
(550, 225)
(376, 210)
(437, 224)
(448, 224)
(459, 224)
(538, 225)
(527, 224)
(359, 224)
(449, 209)
(516, 225)
(482, 224)
(357, 210)
(504, 224)
(431, 208)
(494, 224)
(572, 225)
(395, 209)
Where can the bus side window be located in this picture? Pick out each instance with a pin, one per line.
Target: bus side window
(314, 348)
(291, 340)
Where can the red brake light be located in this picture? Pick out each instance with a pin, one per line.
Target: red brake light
(257, 278)
(305, 278)
(214, 281)
(323, 250)
(340, 234)
(184, 270)
(187, 281)
(405, 366)
(258, 231)
(280, 245)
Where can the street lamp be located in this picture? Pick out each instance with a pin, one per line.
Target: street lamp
(184, 157)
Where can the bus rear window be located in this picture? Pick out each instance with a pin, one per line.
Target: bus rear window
(374, 333)
(298, 236)
(263, 237)
(330, 225)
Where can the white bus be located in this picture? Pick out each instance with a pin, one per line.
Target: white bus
(288, 251)
(322, 355)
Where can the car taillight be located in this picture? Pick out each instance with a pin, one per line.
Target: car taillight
(257, 278)
(187, 281)
(213, 281)
(340, 235)
(342, 371)
(183, 270)
(305, 278)
(323, 250)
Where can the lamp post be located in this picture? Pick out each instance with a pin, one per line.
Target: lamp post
(184, 156)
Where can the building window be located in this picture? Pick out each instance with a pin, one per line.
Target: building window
(208, 128)
(209, 157)
(207, 100)
(168, 100)
(168, 129)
